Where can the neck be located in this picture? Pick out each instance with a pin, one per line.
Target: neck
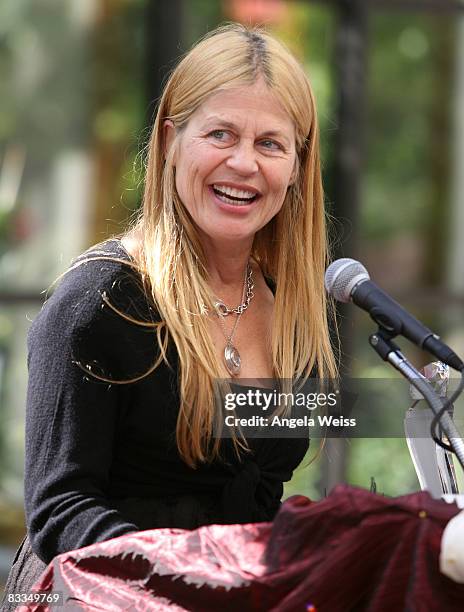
(226, 267)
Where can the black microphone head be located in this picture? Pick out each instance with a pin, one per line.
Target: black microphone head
(342, 276)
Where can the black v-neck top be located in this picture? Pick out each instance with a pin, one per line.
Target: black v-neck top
(101, 458)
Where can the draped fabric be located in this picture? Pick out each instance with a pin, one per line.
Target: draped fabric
(352, 551)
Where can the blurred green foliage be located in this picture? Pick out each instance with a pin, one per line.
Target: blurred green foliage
(409, 77)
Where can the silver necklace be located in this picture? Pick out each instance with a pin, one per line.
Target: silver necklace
(232, 357)
(246, 299)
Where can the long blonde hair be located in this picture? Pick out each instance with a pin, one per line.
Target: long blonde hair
(291, 248)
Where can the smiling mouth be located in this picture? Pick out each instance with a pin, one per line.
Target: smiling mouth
(228, 199)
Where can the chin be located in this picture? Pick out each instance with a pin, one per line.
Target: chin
(228, 236)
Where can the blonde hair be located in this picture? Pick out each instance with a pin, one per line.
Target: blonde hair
(291, 248)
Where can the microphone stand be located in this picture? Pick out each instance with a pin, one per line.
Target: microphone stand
(433, 464)
(384, 346)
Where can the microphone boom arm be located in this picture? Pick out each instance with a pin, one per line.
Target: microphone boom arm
(389, 351)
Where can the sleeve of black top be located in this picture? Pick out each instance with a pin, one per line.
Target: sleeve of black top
(71, 420)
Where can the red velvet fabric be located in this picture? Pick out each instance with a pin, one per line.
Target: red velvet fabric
(354, 550)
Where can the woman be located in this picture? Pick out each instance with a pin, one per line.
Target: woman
(220, 276)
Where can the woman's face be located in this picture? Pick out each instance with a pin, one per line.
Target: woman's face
(235, 160)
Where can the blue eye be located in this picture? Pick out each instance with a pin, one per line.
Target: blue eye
(221, 135)
(272, 143)
(215, 132)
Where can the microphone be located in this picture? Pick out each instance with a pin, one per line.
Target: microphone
(347, 279)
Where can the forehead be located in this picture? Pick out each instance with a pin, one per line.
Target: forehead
(248, 106)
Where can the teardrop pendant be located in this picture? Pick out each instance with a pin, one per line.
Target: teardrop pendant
(232, 359)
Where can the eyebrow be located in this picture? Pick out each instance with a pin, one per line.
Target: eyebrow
(233, 126)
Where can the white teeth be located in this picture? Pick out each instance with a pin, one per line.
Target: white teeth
(236, 193)
(227, 200)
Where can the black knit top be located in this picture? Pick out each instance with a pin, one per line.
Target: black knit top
(101, 458)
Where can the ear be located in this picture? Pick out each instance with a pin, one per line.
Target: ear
(169, 135)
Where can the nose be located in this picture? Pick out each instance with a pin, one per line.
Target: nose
(242, 159)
